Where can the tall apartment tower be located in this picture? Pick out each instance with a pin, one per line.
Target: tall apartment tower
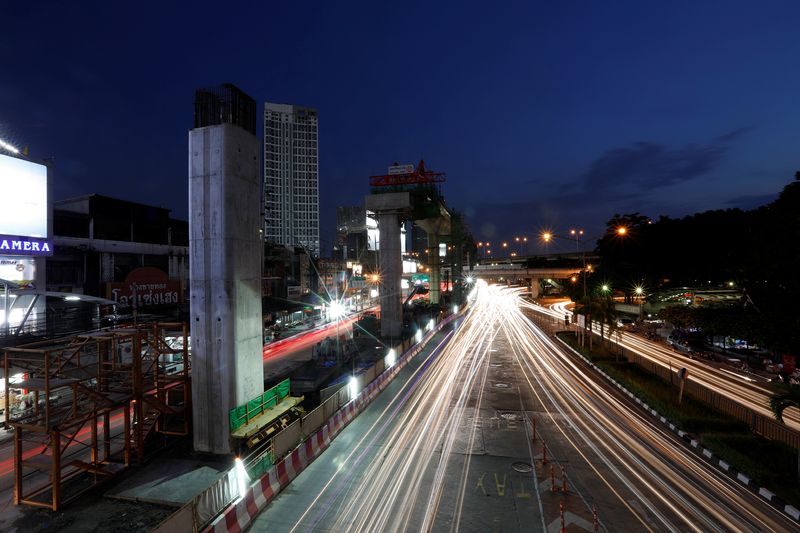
(291, 176)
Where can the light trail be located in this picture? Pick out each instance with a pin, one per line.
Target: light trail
(730, 385)
(409, 468)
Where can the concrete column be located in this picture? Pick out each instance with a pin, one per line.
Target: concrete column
(226, 251)
(535, 284)
(433, 262)
(106, 267)
(391, 268)
(390, 209)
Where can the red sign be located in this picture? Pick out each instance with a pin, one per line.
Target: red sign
(145, 287)
(788, 364)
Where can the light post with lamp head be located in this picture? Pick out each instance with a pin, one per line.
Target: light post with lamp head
(639, 291)
(576, 235)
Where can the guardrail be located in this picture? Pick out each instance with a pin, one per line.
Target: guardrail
(765, 426)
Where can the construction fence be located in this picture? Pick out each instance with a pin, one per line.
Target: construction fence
(242, 414)
(337, 399)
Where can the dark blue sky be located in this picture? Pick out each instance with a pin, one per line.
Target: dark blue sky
(542, 114)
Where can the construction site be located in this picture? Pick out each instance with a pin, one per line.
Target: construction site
(127, 388)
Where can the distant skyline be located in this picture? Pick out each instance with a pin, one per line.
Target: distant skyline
(542, 115)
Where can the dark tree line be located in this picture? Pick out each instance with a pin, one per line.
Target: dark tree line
(757, 250)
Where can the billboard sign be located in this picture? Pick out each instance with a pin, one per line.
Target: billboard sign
(20, 270)
(24, 246)
(400, 169)
(145, 286)
(23, 199)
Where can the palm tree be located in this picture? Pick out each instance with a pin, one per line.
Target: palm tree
(787, 396)
(600, 309)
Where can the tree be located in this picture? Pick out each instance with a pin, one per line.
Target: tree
(680, 316)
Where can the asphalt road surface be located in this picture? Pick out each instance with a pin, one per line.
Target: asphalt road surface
(449, 446)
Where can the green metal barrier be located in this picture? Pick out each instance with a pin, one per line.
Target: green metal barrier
(242, 414)
(263, 464)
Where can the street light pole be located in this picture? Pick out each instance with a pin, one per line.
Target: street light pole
(580, 244)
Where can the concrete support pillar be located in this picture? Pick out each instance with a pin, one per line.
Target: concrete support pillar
(225, 278)
(536, 283)
(391, 268)
(433, 261)
(390, 208)
(106, 267)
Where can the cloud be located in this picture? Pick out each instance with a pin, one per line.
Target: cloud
(735, 134)
(621, 179)
(632, 172)
(647, 165)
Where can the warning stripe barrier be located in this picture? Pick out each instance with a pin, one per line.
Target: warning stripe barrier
(237, 516)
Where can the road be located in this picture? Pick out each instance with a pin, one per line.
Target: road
(449, 446)
(736, 386)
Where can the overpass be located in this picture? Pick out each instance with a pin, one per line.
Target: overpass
(521, 273)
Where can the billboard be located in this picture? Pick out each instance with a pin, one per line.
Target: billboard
(396, 170)
(23, 198)
(20, 270)
(144, 287)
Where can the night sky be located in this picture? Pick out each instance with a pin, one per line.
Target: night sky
(542, 114)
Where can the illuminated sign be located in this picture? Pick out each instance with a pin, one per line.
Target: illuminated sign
(396, 170)
(24, 246)
(23, 200)
(20, 270)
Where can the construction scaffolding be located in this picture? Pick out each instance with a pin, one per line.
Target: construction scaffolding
(85, 407)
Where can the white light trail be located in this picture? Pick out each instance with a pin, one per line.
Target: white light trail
(396, 474)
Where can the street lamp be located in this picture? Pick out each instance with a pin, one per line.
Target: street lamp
(639, 290)
(575, 235)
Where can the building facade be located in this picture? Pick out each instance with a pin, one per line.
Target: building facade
(291, 176)
(26, 231)
(351, 233)
(131, 253)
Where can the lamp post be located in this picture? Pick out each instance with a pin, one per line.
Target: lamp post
(639, 290)
(575, 235)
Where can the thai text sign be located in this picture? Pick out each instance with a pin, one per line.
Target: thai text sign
(144, 287)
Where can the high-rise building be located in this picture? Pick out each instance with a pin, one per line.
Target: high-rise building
(291, 176)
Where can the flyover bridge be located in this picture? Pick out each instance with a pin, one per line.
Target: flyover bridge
(520, 273)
